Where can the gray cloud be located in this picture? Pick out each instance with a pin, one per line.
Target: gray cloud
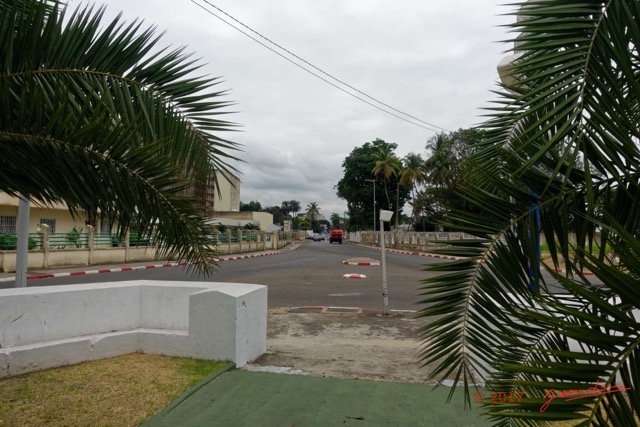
(434, 60)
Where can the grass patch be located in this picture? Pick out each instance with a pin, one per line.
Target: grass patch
(122, 391)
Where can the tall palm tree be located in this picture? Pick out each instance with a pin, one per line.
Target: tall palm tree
(313, 211)
(563, 142)
(413, 173)
(94, 114)
(387, 165)
(295, 206)
(336, 220)
(438, 164)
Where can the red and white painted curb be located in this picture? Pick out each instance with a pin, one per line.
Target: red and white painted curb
(332, 309)
(398, 251)
(452, 258)
(354, 276)
(361, 263)
(138, 267)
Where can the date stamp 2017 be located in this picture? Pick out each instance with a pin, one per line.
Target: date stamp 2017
(497, 397)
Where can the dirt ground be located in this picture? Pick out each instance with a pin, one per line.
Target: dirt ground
(344, 345)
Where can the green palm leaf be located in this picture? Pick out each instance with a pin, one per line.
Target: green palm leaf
(106, 125)
(567, 130)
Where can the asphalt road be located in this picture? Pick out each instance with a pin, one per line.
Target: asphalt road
(311, 275)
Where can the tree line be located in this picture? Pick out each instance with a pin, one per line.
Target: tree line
(289, 209)
(373, 173)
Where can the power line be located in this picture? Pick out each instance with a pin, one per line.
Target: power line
(429, 126)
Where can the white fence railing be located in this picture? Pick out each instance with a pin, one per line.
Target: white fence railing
(416, 241)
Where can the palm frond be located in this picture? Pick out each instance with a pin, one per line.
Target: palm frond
(106, 125)
(563, 142)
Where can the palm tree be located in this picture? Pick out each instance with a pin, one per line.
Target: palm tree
(438, 165)
(336, 220)
(387, 165)
(294, 205)
(286, 207)
(96, 116)
(563, 143)
(313, 211)
(413, 173)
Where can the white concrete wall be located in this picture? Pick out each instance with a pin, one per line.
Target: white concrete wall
(44, 327)
(109, 255)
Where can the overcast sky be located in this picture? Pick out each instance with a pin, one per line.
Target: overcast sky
(435, 60)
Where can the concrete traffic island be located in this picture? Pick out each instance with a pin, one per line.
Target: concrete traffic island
(46, 327)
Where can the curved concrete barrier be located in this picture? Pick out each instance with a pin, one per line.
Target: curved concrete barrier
(45, 327)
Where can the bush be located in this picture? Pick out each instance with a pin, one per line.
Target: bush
(74, 237)
(8, 242)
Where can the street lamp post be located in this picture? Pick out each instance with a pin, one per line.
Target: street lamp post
(385, 216)
(22, 244)
(508, 77)
(374, 202)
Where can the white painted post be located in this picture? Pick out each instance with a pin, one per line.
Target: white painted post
(91, 242)
(385, 216)
(127, 236)
(46, 246)
(385, 292)
(22, 243)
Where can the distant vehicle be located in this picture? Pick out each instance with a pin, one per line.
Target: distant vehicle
(336, 235)
(318, 237)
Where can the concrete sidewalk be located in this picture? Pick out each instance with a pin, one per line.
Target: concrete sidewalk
(326, 367)
(242, 398)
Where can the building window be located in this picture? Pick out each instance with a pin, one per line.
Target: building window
(50, 222)
(105, 227)
(7, 223)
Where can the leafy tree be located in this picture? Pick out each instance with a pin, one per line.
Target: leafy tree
(336, 220)
(303, 224)
(252, 206)
(562, 146)
(278, 215)
(124, 121)
(355, 186)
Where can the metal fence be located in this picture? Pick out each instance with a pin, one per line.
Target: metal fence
(79, 239)
(417, 241)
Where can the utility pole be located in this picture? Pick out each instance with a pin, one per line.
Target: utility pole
(22, 244)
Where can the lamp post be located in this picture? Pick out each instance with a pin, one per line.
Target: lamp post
(385, 216)
(22, 244)
(508, 77)
(374, 202)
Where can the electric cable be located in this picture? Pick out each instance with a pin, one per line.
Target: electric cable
(429, 126)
